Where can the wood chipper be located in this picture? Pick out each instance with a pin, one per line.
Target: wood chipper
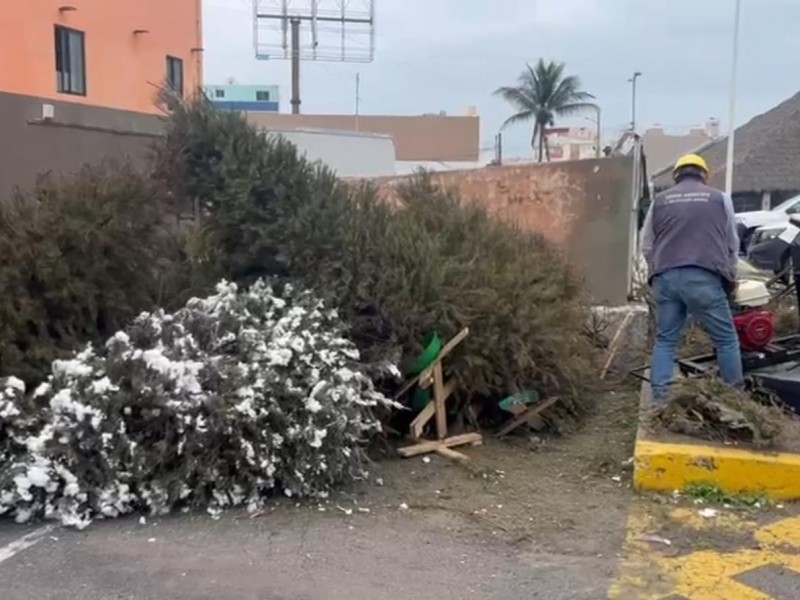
(772, 362)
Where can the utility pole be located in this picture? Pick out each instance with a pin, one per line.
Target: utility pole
(295, 66)
(358, 98)
(732, 100)
(632, 81)
(599, 134)
(498, 149)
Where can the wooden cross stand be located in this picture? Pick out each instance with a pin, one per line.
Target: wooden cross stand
(442, 390)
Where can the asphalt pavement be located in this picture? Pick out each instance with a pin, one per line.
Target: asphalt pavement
(288, 555)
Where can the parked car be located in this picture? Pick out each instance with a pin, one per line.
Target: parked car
(748, 222)
(767, 250)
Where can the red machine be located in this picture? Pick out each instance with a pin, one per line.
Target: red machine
(756, 329)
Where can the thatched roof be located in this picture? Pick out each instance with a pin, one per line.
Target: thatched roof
(766, 153)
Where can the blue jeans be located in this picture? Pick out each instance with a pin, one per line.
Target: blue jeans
(699, 293)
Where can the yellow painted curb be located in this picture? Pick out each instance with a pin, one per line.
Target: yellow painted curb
(664, 467)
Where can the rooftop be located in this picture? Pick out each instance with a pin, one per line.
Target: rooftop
(766, 155)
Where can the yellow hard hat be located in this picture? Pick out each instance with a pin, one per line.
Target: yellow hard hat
(691, 160)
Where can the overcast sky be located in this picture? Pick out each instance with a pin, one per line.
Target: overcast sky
(436, 55)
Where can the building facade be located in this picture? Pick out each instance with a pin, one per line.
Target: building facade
(100, 53)
(80, 80)
(418, 139)
(349, 153)
(663, 148)
(245, 98)
(571, 143)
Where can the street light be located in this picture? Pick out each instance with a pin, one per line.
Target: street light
(599, 129)
(732, 100)
(632, 81)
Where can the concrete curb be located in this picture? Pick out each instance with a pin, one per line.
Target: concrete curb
(667, 467)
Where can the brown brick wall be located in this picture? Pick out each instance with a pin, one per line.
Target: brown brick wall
(585, 207)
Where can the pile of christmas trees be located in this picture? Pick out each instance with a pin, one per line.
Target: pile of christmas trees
(433, 263)
(257, 388)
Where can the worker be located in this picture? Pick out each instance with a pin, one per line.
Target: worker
(691, 246)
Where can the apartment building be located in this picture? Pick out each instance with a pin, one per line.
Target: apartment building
(571, 143)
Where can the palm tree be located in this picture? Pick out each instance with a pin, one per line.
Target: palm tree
(543, 93)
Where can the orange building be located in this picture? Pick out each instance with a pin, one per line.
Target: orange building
(79, 80)
(107, 53)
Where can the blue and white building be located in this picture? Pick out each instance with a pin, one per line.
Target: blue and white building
(245, 98)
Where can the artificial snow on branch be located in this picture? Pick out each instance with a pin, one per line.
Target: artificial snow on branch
(231, 399)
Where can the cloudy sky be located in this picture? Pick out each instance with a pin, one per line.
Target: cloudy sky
(436, 55)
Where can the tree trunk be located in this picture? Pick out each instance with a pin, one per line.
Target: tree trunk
(547, 148)
(534, 138)
(541, 143)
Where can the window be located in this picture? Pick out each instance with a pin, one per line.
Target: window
(262, 96)
(70, 61)
(175, 75)
(219, 93)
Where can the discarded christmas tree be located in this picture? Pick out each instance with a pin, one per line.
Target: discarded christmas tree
(229, 400)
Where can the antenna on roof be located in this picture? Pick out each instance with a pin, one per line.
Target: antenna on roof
(331, 30)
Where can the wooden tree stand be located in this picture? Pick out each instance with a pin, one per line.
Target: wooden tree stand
(442, 390)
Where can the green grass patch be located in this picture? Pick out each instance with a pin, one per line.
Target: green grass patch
(708, 493)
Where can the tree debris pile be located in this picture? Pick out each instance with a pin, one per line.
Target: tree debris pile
(708, 408)
(429, 262)
(786, 318)
(231, 399)
(79, 258)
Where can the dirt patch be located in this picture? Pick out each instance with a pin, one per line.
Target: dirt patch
(558, 494)
(709, 409)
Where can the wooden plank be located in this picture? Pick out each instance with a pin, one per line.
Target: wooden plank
(448, 348)
(527, 415)
(403, 390)
(424, 378)
(451, 454)
(474, 439)
(439, 400)
(416, 449)
(464, 438)
(454, 341)
(425, 415)
(613, 348)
